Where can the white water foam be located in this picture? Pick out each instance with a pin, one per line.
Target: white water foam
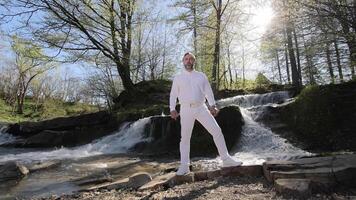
(251, 100)
(5, 137)
(127, 136)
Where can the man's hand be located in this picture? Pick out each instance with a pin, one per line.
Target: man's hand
(213, 110)
(174, 114)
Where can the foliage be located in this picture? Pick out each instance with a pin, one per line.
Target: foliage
(261, 80)
(50, 109)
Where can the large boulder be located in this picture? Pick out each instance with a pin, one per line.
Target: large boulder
(28, 129)
(146, 93)
(165, 134)
(324, 117)
(64, 131)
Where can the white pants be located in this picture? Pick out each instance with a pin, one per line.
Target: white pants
(188, 115)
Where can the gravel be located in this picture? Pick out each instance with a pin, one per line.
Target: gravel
(246, 188)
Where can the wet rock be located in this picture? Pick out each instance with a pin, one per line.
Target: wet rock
(33, 167)
(26, 129)
(12, 172)
(94, 179)
(63, 131)
(121, 183)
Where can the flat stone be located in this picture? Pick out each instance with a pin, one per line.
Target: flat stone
(200, 176)
(213, 174)
(177, 180)
(94, 179)
(42, 165)
(317, 175)
(326, 171)
(275, 165)
(251, 170)
(121, 183)
(158, 181)
(139, 179)
(293, 187)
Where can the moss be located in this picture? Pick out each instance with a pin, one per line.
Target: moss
(322, 116)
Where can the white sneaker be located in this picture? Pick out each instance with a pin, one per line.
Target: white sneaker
(230, 162)
(183, 170)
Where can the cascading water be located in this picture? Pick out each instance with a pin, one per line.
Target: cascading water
(128, 135)
(4, 137)
(258, 143)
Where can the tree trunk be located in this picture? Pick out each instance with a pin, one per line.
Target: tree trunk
(229, 65)
(287, 63)
(298, 56)
(330, 65)
(243, 67)
(164, 54)
(125, 33)
(295, 78)
(215, 84)
(352, 48)
(195, 34)
(338, 62)
(279, 68)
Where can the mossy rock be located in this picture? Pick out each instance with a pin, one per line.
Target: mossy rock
(146, 93)
(324, 117)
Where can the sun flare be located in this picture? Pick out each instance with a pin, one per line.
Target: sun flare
(262, 17)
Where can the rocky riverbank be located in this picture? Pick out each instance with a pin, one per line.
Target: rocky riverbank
(307, 178)
(246, 188)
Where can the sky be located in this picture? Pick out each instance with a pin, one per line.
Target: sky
(261, 16)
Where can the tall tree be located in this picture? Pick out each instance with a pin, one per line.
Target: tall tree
(83, 27)
(29, 62)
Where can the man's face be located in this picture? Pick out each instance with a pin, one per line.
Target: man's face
(188, 61)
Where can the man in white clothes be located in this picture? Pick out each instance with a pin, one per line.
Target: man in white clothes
(192, 87)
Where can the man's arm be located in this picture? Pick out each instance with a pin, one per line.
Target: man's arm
(173, 95)
(209, 95)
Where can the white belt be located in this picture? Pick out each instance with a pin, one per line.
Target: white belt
(193, 105)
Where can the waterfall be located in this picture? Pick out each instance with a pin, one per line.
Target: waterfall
(120, 141)
(258, 143)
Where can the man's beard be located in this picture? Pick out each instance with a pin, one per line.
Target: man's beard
(189, 66)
